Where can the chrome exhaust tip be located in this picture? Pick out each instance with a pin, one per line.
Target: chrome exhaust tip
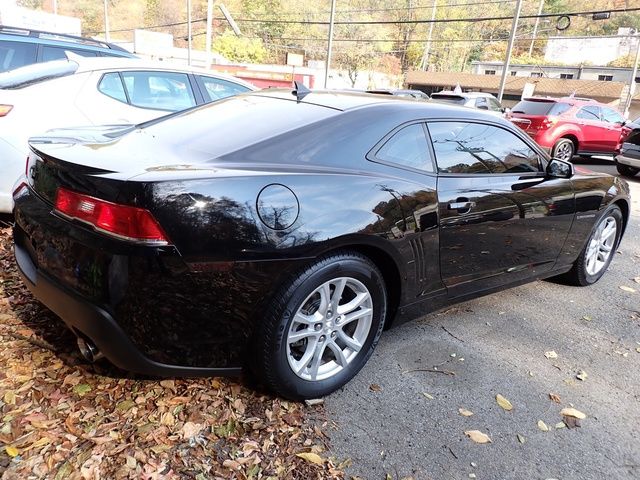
(88, 350)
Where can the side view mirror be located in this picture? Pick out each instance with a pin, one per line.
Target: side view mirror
(557, 168)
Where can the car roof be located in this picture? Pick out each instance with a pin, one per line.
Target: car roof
(20, 34)
(573, 100)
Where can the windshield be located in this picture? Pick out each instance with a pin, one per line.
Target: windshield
(36, 73)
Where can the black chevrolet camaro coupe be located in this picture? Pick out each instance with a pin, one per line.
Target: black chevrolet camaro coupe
(283, 231)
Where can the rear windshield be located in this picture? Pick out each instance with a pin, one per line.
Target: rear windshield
(443, 97)
(36, 73)
(540, 107)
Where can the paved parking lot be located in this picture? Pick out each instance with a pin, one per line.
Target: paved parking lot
(407, 424)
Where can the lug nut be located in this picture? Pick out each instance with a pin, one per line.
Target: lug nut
(333, 334)
(318, 326)
(322, 338)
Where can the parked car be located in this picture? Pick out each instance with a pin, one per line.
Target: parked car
(418, 94)
(94, 91)
(628, 161)
(569, 126)
(284, 231)
(22, 46)
(479, 100)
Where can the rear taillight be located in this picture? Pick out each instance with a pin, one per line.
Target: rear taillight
(548, 122)
(5, 109)
(123, 221)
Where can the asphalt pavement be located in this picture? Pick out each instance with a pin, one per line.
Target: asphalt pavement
(400, 417)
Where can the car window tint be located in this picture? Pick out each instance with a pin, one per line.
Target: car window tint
(111, 86)
(408, 148)
(478, 148)
(58, 53)
(216, 88)
(611, 116)
(559, 108)
(482, 103)
(16, 54)
(159, 90)
(589, 113)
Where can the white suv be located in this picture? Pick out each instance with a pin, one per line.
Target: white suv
(93, 91)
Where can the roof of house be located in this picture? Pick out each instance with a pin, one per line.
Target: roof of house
(555, 87)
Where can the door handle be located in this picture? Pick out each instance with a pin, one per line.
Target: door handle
(462, 205)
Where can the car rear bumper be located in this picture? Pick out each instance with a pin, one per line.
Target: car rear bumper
(626, 160)
(96, 324)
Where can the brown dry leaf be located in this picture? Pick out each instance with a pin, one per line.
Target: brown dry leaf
(504, 403)
(464, 412)
(311, 457)
(572, 412)
(554, 397)
(521, 438)
(477, 436)
(627, 289)
(543, 426)
(551, 354)
(374, 387)
(9, 397)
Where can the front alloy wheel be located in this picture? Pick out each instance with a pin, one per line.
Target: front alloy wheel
(564, 149)
(322, 327)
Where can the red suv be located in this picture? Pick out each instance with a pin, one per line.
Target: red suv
(569, 126)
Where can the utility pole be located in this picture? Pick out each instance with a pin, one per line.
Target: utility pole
(209, 31)
(106, 21)
(424, 64)
(55, 7)
(330, 45)
(189, 32)
(632, 81)
(535, 27)
(512, 37)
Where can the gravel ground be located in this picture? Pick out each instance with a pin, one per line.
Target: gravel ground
(411, 426)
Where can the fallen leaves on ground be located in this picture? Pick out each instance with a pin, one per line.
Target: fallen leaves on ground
(554, 397)
(582, 375)
(504, 403)
(464, 412)
(61, 418)
(477, 436)
(374, 387)
(627, 289)
(572, 412)
(521, 438)
(543, 426)
(551, 354)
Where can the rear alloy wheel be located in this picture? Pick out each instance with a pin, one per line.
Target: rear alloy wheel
(322, 328)
(599, 250)
(626, 170)
(564, 149)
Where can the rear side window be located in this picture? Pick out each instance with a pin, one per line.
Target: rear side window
(466, 148)
(407, 148)
(58, 53)
(216, 88)
(589, 113)
(611, 116)
(560, 108)
(111, 86)
(16, 54)
(168, 91)
(533, 107)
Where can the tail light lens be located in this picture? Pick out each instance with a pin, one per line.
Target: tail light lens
(122, 221)
(5, 109)
(548, 122)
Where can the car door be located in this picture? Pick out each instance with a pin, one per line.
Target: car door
(592, 127)
(502, 220)
(614, 126)
(135, 96)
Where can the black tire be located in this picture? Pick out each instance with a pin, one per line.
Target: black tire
(271, 358)
(626, 170)
(578, 274)
(564, 149)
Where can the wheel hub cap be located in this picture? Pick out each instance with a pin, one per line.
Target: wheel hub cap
(601, 245)
(343, 309)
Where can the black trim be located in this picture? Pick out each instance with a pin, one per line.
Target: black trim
(99, 326)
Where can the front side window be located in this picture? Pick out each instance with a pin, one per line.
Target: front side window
(481, 103)
(408, 148)
(589, 113)
(471, 148)
(216, 88)
(611, 116)
(159, 90)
